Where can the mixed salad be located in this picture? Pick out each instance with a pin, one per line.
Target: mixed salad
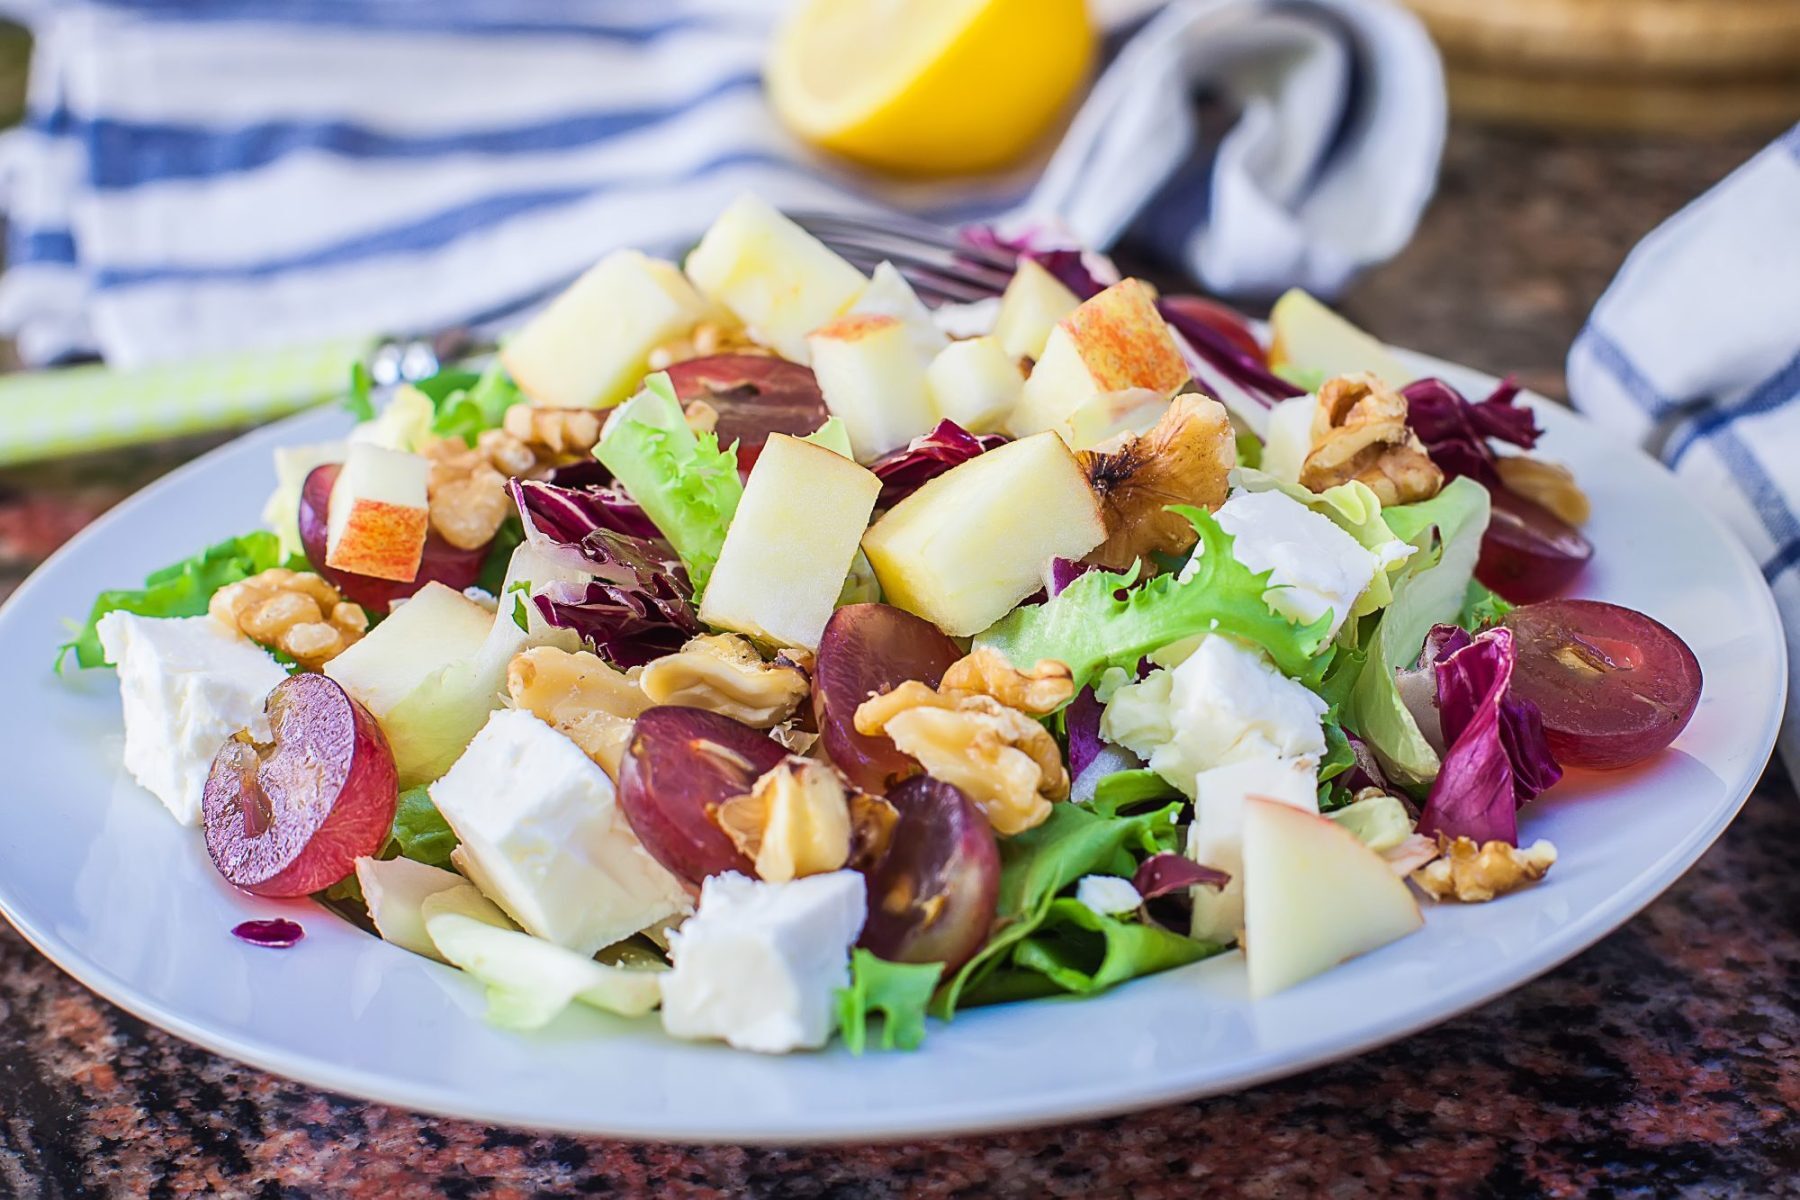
(751, 642)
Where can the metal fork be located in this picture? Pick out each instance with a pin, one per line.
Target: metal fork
(940, 264)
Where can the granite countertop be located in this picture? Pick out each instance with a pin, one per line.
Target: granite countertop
(1660, 1062)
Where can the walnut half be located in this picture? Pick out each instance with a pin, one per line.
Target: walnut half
(1185, 458)
(1003, 761)
(1360, 432)
(985, 672)
(799, 819)
(1473, 874)
(296, 612)
(723, 673)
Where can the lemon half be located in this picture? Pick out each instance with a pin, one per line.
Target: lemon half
(929, 86)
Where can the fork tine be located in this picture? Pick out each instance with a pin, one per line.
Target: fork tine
(909, 234)
(933, 284)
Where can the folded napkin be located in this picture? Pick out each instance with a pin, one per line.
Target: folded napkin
(1695, 351)
(199, 176)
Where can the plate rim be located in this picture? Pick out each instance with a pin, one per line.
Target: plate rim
(1053, 1107)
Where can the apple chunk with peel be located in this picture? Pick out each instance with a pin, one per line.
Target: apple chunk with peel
(378, 513)
(873, 381)
(591, 346)
(791, 543)
(1314, 896)
(968, 546)
(772, 275)
(1310, 338)
(974, 383)
(406, 653)
(1033, 303)
(1114, 342)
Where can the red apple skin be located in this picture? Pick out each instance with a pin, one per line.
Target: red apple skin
(440, 563)
(291, 817)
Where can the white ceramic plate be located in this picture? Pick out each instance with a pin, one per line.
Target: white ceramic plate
(94, 873)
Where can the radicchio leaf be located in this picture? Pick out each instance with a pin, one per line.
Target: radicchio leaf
(1456, 432)
(903, 472)
(1216, 359)
(1497, 757)
(1081, 720)
(1365, 772)
(1161, 874)
(1070, 265)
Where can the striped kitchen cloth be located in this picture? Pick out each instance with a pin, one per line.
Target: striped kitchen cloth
(1695, 351)
(206, 176)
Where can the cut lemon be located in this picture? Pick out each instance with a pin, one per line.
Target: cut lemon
(929, 86)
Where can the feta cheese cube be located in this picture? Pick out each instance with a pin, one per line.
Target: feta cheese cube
(1314, 566)
(1108, 895)
(759, 963)
(1224, 703)
(188, 684)
(1216, 838)
(543, 837)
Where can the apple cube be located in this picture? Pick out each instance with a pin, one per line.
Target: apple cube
(872, 380)
(432, 631)
(378, 513)
(974, 383)
(772, 275)
(889, 295)
(791, 543)
(1314, 896)
(1033, 303)
(968, 546)
(591, 346)
(1315, 341)
(1114, 342)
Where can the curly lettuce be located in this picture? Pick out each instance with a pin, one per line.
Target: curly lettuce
(899, 992)
(467, 404)
(1104, 619)
(179, 590)
(685, 483)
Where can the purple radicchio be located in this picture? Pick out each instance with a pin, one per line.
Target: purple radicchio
(1081, 720)
(1222, 367)
(1497, 756)
(1456, 433)
(1161, 874)
(904, 471)
(637, 605)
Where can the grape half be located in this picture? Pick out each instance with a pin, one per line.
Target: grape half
(681, 764)
(1528, 552)
(1613, 685)
(441, 562)
(868, 649)
(755, 395)
(933, 895)
(292, 815)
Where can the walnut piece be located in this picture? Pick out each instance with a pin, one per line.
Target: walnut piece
(1183, 459)
(985, 672)
(296, 612)
(1547, 484)
(706, 339)
(794, 822)
(552, 435)
(723, 673)
(1003, 761)
(467, 493)
(1475, 874)
(579, 696)
(1360, 432)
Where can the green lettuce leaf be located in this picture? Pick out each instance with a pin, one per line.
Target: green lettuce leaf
(469, 404)
(900, 992)
(1128, 789)
(1075, 949)
(686, 484)
(420, 831)
(1103, 620)
(1039, 863)
(359, 400)
(1447, 532)
(179, 590)
(1481, 608)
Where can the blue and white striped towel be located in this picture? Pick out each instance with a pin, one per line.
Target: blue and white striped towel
(1695, 350)
(208, 175)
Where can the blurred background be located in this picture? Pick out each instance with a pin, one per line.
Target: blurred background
(207, 181)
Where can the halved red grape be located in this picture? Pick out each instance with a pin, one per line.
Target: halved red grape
(440, 563)
(933, 895)
(1222, 319)
(868, 649)
(1529, 553)
(680, 764)
(292, 815)
(1614, 685)
(755, 395)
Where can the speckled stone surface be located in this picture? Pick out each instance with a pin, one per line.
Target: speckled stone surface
(1663, 1062)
